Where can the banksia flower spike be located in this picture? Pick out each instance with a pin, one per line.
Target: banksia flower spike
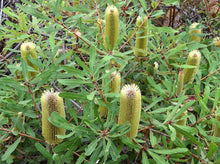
(111, 26)
(141, 38)
(193, 60)
(130, 108)
(216, 126)
(28, 49)
(216, 42)
(50, 102)
(194, 31)
(181, 120)
(114, 86)
(180, 83)
(115, 83)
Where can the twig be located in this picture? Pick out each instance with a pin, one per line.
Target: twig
(5, 59)
(202, 119)
(210, 74)
(22, 134)
(198, 158)
(79, 155)
(139, 26)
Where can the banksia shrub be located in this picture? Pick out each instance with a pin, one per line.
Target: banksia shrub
(141, 38)
(50, 102)
(130, 108)
(192, 60)
(216, 42)
(28, 49)
(180, 83)
(181, 120)
(195, 31)
(114, 86)
(111, 27)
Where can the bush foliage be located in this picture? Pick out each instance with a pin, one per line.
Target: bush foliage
(72, 59)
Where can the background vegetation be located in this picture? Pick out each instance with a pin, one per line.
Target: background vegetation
(80, 66)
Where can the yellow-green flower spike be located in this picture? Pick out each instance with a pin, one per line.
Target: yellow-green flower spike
(115, 83)
(114, 86)
(50, 102)
(192, 60)
(194, 31)
(28, 49)
(181, 120)
(103, 111)
(216, 42)
(130, 108)
(111, 26)
(141, 38)
(180, 83)
(216, 127)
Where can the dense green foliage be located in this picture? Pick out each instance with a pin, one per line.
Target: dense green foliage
(72, 59)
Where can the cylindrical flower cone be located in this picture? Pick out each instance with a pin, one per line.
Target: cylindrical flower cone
(180, 83)
(111, 26)
(181, 121)
(28, 49)
(194, 31)
(50, 102)
(141, 38)
(193, 60)
(115, 83)
(114, 86)
(130, 108)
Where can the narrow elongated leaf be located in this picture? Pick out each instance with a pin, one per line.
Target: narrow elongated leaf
(170, 151)
(43, 151)
(72, 82)
(74, 96)
(212, 149)
(59, 121)
(157, 158)
(92, 58)
(91, 147)
(33, 12)
(113, 151)
(11, 149)
(144, 158)
(24, 69)
(187, 132)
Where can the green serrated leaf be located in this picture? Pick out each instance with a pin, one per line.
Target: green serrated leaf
(74, 96)
(43, 151)
(113, 151)
(173, 134)
(59, 121)
(144, 159)
(170, 151)
(10, 149)
(212, 149)
(92, 58)
(157, 158)
(153, 139)
(91, 147)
